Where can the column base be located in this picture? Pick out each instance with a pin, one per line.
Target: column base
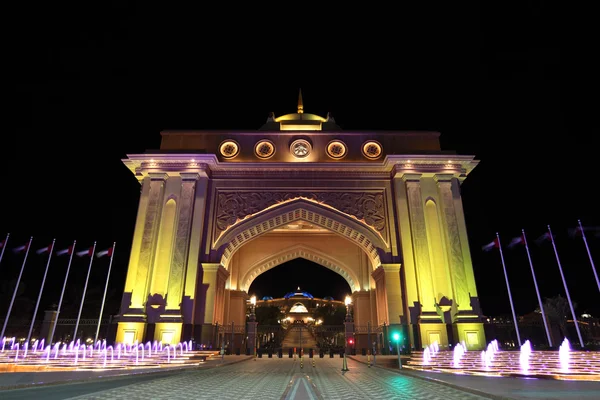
(434, 332)
(129, 332)
(168, 332)
(472, 333)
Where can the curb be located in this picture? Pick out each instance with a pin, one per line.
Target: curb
(166, 372)
(439, 381)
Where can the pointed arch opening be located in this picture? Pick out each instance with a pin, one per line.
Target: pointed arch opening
(299, 251)
(301, 210)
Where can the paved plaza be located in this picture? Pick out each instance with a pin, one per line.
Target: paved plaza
(260, 379)
(286, 379)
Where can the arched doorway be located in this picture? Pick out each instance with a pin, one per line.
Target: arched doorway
(300, 305)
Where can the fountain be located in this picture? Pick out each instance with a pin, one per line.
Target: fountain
(524, 362)
(426, 356)
(459, 351)
(564, 355)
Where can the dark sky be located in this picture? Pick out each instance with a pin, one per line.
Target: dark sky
(87, 85)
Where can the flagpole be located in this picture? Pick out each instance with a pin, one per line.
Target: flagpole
(4, 248)
(566, 289)
(512, 307)
(84, 290)
(62, 294)
(16, 289)
(537, 291)
(105, 290)
(40, 295)
(586, 247)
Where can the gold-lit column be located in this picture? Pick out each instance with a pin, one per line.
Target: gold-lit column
(181, 243)
(468, 326)
(419, 242)
(196, 236)
(453, 242)
(362, 317)
(148, 242)
(132, 319)
(214, 277)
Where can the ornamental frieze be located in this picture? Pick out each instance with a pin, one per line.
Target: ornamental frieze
(365, 206)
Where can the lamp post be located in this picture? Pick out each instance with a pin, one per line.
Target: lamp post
(349, 324)
(253, 323)
(397, 340)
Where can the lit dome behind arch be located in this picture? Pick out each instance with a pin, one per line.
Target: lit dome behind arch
(298, 308)
(298, 294)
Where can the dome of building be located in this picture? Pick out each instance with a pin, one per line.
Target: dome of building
(267, 298)
(298, 294)
(300, 121)
(329, 298)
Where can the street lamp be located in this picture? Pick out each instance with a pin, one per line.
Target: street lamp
(396, 338)
(253, 321)
(253, 302)
(348, 301)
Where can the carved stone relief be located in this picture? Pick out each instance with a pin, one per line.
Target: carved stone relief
(181, 243)
(151, 223)
(417, 219)
(365, 206)
(456, 256)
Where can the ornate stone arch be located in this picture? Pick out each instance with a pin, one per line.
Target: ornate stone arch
(299, 251)
(301, 209)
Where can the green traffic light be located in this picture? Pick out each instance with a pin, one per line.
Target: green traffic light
(396, 336)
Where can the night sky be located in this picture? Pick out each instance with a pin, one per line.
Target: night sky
(88, 85)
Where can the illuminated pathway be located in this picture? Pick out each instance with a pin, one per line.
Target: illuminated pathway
(283, 379)
(261, 379)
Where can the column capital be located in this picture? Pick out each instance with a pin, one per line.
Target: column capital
(443, 178)
(407, 177)
(362, 293)
(378, 273)
(411, 178)
(189, 176)
(158, 176)
(391, 267)
(210, 266)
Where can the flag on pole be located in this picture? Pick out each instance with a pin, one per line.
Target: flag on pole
(88, 252)
(107, 252)
(21, 248)
(44, 249)
(68, 250)
(492, 245)
(545, 237)
(516, 241)
(578, 231)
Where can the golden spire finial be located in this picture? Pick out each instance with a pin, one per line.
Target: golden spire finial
(300, 105)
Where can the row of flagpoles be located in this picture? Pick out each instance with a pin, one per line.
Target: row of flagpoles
(68, 251)
(580, 230)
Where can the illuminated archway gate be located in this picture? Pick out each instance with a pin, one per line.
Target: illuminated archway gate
(383, 209)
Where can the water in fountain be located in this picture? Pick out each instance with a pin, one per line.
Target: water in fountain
(524, 356)
(459, 351)
(564, 355)
(426, 356)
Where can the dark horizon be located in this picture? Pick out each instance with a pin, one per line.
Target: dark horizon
(493, 80)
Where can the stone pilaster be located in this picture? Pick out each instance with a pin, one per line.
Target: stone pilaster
(149, 236)
(190, 297)
(182, 240)
(420, 243)
(455, 253)
(214, 277)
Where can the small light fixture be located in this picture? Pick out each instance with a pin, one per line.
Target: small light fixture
(348, 300)
(253, 300)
